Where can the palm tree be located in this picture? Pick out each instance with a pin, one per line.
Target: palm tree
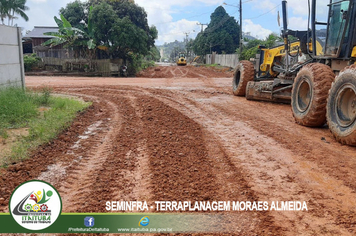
(8, 9)
(4, 10)
(18, 7)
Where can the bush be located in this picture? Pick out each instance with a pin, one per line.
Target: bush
(137, 63)
(145, 64)
(31, 61)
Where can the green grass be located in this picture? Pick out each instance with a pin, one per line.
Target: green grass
(16, 108)
(19, 109)
(3, 133)
(211, 65)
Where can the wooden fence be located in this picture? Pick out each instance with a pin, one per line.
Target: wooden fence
(105, 67)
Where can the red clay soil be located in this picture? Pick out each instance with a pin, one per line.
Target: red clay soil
(188, 71)
(190, 139)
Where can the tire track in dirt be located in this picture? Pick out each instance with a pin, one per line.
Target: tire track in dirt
(75, 190)
(112, 179)
(181, 166)
(188, 145)
(206, 79)
(49, 155)
(130, 164)
(271, 161)
(183, 158)
(323, 171)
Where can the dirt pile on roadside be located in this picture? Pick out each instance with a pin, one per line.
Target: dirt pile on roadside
(185, 72)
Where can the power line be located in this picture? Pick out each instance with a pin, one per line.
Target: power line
(169, 22)
(202, 26)
(263, 13)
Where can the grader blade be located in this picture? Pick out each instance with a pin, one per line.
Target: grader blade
(268, 91)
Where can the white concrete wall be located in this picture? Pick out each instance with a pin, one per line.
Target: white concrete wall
(229, 60)
(11, 58)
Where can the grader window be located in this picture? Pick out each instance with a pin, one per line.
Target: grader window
(337, 23)
(321, 11)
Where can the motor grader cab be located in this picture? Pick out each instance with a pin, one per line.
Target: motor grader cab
(320, 88)
(182, 61)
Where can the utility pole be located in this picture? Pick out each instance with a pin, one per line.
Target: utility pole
(240, 28)
(186, 40)
(240, 10)
(186, 37)
(202, 26)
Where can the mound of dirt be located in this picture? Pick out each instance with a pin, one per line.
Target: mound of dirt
(185, 72)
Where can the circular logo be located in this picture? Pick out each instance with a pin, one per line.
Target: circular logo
(35, 205)
(144, 221)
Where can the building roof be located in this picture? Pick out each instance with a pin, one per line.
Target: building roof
(248, 36)
(38, 32)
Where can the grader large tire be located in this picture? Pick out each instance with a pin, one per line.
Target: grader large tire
(244, 73)
(309, 94)
(341, 107)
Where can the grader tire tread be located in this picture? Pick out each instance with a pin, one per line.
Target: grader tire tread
(246, 71)
(321, 77)
(348, 137)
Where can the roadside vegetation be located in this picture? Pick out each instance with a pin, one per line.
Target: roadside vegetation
(251, 48)
(31, 61)
(41, 116)
(10, 10)
(221, 35)
(107, 29)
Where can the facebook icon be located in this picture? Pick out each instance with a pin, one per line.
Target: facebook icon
(89, 221)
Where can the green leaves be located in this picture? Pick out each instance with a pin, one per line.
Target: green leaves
(66, 35)
(91, 44)
(54, 41)
(90, 24)
(122, 27)
(221, 35)
(118, 26)
(251, 49)
(10, 8)
(66, 23)
(76, 13)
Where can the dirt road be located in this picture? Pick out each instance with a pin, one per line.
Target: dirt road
(178, 133)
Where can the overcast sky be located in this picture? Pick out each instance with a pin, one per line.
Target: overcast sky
(175, 19)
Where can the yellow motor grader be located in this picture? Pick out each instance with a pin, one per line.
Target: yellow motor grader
(322, 87)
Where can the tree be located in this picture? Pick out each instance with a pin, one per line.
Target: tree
(82, 41)
(251, 49)
(123, 28)
(120, 26)
(153, 54)
(4, 10)
(174, 54)
(136, 14)
(120, 35)
(66, 34)
(76, 13)
(168, 48)
(10, 8)
(221, 35)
